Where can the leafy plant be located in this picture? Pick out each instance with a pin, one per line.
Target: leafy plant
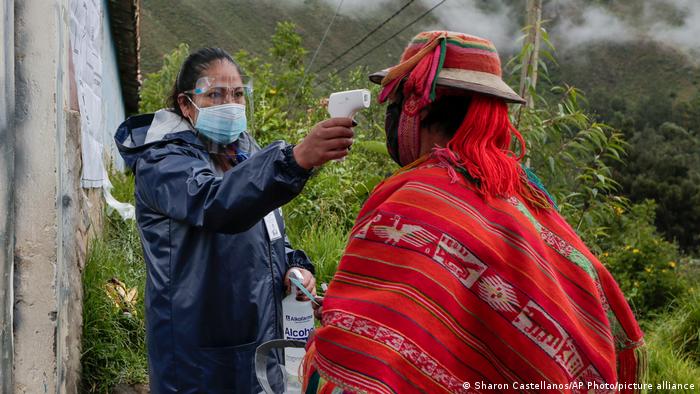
(567, 148)
(158, 85)
(114, 346)
(288, 102)
(644, 264)
(664, 164)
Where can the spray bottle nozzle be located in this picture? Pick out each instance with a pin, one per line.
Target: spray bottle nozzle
(296, 278)
(297, 274)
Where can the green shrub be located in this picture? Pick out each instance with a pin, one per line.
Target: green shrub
(643, 263)
(570, 152)
(158, 85)
(324, 243)
(114, 349)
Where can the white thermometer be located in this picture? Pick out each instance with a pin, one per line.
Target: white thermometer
(346, 104)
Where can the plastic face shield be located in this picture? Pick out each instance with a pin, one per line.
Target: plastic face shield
(217, 91)
(211, 91)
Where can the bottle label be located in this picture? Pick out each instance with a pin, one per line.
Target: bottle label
(298, 319)
(294, 334)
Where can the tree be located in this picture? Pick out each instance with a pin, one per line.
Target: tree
(157, 86)
(530, 62)
(664, 165)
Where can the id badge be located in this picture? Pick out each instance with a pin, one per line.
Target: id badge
(273, 230)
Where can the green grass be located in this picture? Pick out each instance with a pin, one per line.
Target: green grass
(680, 329)
(668, 364)
(324, 243)
(673, 345)
(114, 348)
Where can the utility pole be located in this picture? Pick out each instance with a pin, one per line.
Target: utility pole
(532, 41)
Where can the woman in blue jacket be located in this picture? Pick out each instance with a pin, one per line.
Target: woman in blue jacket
(207, 204)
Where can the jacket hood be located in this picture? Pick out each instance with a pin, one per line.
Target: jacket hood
(138, 133)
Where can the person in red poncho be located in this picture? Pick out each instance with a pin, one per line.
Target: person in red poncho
(460, 274)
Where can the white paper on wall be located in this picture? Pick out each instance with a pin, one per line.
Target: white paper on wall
(86, 41)
(86, 20)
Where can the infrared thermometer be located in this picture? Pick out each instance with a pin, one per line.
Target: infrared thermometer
(346, 104)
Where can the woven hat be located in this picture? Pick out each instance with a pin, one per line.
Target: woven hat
(459, 61)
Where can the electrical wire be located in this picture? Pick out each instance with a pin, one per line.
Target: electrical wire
(385, 41)
(363, 39)
(328, 28)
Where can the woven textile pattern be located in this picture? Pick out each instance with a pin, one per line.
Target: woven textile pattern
(440, 286)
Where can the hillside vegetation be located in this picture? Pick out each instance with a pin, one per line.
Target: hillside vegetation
(635, 86)
(249, 24)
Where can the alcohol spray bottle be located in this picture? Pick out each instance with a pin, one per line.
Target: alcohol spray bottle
(298, 323)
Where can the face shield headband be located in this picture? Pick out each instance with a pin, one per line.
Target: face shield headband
(225, 111)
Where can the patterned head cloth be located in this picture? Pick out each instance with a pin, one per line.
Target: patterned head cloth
(440, 58)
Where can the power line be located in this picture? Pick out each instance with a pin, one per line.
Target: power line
(306, 69)
(385, 41)
(366, 36)
(324, 37)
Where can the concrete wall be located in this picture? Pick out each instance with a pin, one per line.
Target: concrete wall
(46, 218)
(81, 219)
(7, 157)
(38, 87)
(53, 216)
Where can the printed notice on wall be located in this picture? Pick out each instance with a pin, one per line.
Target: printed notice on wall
(86, 44)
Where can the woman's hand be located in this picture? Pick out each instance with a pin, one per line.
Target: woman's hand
(327, 140)
(308, 281)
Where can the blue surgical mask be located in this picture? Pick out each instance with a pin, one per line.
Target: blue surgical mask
(222, 124)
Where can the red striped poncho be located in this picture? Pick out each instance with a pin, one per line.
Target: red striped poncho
(439, 287)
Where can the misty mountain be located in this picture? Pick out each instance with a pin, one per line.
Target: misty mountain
(621, 47)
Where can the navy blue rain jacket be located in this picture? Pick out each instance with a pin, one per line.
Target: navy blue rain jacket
(214, 278)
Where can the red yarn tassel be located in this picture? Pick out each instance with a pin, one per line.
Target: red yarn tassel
(423, 67)
(483, 145)
(389, 89)
(632, 367)
(432, 75)
(420, 81)
(306, 366)
(447, 159)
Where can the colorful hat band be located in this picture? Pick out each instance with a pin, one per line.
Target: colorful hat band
(448, 59)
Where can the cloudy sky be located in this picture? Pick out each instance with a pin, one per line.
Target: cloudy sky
(573, 22)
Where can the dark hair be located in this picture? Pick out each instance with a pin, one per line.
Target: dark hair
(192, 69)
(448, 112)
